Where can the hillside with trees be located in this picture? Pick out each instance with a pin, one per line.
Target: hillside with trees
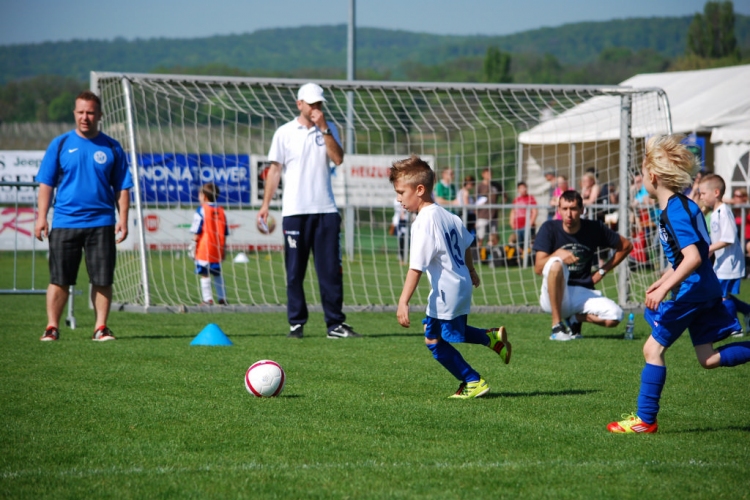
(38, 81)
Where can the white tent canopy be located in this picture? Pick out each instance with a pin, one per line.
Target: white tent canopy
(699, 101)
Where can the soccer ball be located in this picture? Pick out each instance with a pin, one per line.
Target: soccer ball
(268, 227)
(265, 379)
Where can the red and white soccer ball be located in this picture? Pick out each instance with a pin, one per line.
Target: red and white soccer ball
(265, 379)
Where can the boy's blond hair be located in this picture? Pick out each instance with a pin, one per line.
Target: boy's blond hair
(210, 191)
(413, 171)
(715, 181)
(670, 160)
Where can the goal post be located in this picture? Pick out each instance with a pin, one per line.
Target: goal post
(180, 131)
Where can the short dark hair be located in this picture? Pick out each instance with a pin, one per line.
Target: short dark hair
(414, 171)
(210, 191)
(87, 95)
(521, 184)
(572, 195)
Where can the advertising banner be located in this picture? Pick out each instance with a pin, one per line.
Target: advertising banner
(176, 178)
(170, 230)
(19, 166)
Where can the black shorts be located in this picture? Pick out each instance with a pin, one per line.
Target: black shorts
(66, 246)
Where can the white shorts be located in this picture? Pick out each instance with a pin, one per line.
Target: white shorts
(578, 299)
(482, 225)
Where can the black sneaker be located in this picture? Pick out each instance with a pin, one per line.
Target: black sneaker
(296, 331)
(343, 331)
(223, 302)
(50, 334)
(561, 332)
(102, 334)
(575, 329)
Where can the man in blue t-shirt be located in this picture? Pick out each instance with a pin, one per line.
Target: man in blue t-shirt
(89, 171)
(565, 252)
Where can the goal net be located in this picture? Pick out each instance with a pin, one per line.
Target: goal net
(183, 131)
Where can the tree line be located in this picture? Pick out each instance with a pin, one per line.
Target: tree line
(709, 39)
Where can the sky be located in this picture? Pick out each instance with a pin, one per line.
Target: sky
(35, 21)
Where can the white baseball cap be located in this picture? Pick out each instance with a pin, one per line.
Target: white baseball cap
(311, 93)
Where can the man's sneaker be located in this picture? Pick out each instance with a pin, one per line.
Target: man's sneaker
(499, 342)
(207, 303)
(102, 334)
(468, 390)
(343, 331)
(632, 424)
(223, 302)
(561, 332)
(50, 334)
(575, 328)
(296, 332)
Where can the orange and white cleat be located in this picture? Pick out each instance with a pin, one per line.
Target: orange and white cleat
(632, 424)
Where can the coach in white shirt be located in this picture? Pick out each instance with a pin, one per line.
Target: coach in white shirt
(301, 150)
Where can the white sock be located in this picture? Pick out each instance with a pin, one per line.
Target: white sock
(221, 291)
(206, 291)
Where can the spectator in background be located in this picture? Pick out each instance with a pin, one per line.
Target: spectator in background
(445, 191)
(465, 198)
(562, 186)
(486, 223)
(590, 190)
(739, 197)
(551, 179)
(518, 213)
(694, 192)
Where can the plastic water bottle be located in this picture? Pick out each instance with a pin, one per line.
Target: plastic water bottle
(630, 327)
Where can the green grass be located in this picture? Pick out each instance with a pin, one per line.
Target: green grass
(149, 416)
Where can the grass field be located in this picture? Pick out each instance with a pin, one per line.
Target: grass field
(149, 416)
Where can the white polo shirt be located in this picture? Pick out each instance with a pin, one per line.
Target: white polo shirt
(438, 246)
(301, 151)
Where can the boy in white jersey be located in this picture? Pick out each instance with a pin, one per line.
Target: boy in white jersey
(440, 246)
(729, 263)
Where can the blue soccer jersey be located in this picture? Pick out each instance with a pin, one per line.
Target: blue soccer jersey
(87, 173)
(682, 224)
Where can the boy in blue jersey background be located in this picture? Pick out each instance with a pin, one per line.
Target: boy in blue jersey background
(696, 303)
(90, 174)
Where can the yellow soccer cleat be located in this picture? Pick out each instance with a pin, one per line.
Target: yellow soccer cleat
(468, 390)
(499, 342)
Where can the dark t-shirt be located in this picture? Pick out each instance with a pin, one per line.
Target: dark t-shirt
(583, 244)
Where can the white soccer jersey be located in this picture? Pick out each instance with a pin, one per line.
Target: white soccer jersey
(438, 245)
(301, 151)
(730, 261)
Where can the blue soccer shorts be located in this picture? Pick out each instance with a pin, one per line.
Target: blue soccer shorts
(707, 322)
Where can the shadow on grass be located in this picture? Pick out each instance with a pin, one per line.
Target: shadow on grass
(741, 428)
(567, 392)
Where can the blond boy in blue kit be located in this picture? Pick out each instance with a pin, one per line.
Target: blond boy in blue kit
(440, 247)
(696, 302)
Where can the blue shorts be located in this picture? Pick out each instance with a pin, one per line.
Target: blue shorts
(450, 330)
(729, 287)
(707, 322)
(213, 268)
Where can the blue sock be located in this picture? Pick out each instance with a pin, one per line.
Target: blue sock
(736, 353)
(652, 382)
(731, 306)
(451, 359)
(473, 335)
(742, 307)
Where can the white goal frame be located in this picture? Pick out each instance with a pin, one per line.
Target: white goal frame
(517, 130)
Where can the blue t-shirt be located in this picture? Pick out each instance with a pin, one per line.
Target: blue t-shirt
(591, 236)
(87, 173)
(682, 224)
